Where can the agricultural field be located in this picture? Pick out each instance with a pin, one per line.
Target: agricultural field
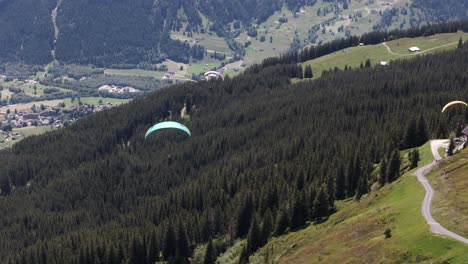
(27, 107)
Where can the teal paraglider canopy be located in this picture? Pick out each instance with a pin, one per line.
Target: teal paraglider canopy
(168, 124)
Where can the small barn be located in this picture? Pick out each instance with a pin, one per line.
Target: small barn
(414, 49)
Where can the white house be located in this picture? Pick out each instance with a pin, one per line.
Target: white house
(384, 63)
(414, 49)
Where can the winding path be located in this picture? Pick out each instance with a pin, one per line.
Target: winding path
(426, 205)
(416, 53)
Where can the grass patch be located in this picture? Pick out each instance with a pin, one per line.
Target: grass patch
(355, 232)
(24, 132)
(135, 72)
(450, 183)
(95, 101)
(354, 56)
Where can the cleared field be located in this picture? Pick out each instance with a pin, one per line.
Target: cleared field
(95, 101)
(352, 57)
(134, 72)
(208, 40)
(27, 107)
(401, 46)
(356, 231)
(450, 183)
(24, 132)
(28, 88)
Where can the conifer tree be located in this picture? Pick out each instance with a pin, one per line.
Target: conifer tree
(253, 237)
(363, 185)
(244, 216)
(321, 204)
(393, 170)
(267, 226)
(460, 43)
(281, 223)
(299, 212)
(383, 172)
(451, 147)
(423, 135)
(210, 254)
(340, 183)
(153, 250)
(170, 243)
(411, 134)
(414, 158)
(112, 257)
(183, 248)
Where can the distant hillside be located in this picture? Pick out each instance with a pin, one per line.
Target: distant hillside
(126, 33)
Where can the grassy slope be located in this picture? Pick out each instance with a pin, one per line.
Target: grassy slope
(355, 55)
(355, 233)
(450, 183)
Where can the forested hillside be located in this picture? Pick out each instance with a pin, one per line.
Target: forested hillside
(122, 33)
(265, 155)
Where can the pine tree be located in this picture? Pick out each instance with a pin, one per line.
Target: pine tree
(340, 184)
(253, 237)
(281, 223)
(299, 212)
(393, 171)
(368, 63)
(244, 256)
(210, 254)
(422, 134)
(267, 226)
(383, 172)
(137, 252)
(414, 158)
(112, 257)
(183, 248)
(244, 216)
(363, 185)
(321, 204)
(170, 243)
(153, 250)
(411, 135)
(460, 43)
(451, 147)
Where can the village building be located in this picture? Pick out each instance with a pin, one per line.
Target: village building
(31, 116)
(384, 63)
(49, 113)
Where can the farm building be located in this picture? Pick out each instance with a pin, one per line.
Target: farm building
(384, 63)
(414, 49)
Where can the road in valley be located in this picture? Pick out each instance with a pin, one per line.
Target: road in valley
(426, 205)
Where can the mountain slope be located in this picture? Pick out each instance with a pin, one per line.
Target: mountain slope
(356, 233)
(126, 33)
